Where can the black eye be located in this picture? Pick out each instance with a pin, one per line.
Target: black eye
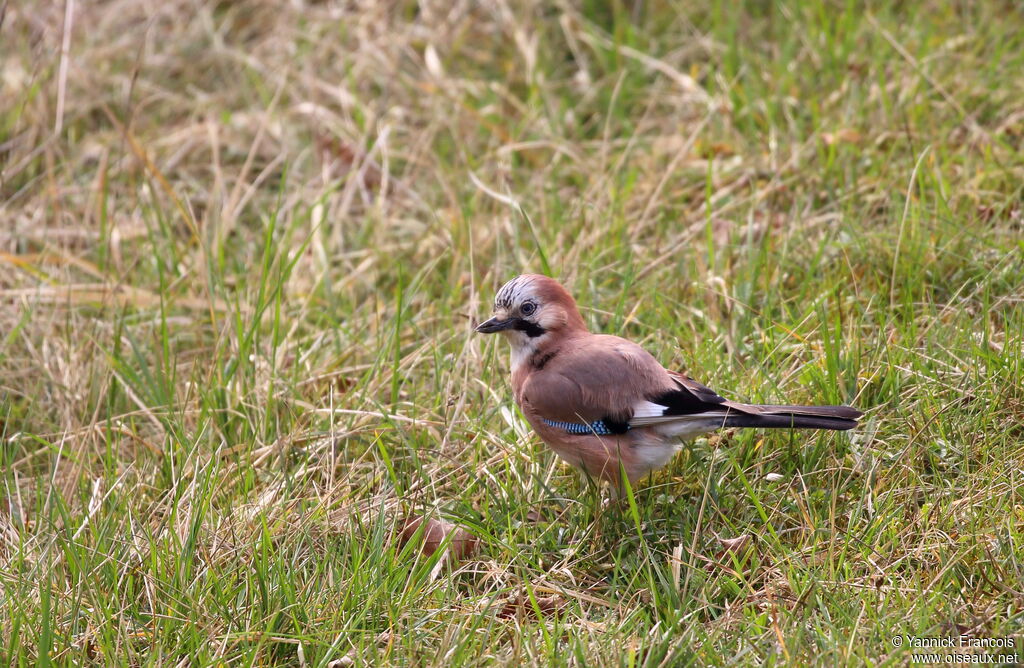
(527, 308)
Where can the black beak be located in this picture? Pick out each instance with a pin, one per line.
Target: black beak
(495, 325)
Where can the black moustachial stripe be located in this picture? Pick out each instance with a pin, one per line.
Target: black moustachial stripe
(532, 329)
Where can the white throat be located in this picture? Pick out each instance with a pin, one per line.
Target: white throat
(523, 347)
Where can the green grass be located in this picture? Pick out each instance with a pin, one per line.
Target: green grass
(244, 246)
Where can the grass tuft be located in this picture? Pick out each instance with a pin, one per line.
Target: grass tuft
(244, 246)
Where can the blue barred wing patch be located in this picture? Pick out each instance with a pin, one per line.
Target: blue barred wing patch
(597, 427)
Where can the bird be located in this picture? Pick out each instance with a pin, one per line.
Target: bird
(603, 403)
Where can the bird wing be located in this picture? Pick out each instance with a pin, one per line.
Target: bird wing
(692, 401)
(614, 380)
(684, 400)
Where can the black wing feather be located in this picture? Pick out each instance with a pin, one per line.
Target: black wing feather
(690, 398)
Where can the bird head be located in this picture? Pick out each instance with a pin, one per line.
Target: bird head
(532, 309)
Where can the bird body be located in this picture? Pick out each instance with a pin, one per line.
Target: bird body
(606, 405)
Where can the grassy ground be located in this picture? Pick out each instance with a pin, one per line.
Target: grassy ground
(243, 246)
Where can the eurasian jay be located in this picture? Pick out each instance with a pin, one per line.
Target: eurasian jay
(603, 403)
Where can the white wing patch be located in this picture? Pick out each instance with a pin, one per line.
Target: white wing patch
(647, 409)
(659, 418)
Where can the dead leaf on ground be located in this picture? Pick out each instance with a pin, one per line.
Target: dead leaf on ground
(841, 136)
(461, 545)
(521, 606)
(341, 157)
(715, 150)
(734, 545)
(535, 516)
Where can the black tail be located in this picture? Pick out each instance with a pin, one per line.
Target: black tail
(794, 417)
